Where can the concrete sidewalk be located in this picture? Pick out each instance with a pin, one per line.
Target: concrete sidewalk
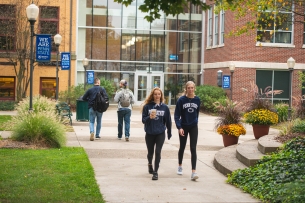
(121, 167)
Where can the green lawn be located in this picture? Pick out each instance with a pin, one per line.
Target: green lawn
(52, 175)
(3, 119)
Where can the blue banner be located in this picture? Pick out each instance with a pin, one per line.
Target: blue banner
(43, 47)
(226, 81)
(65, 61)
(90, 77)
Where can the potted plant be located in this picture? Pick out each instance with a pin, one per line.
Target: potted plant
(229, 121)
(260, 113)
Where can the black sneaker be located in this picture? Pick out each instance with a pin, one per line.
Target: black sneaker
(97, 137)
(155, 176)
(150, 169)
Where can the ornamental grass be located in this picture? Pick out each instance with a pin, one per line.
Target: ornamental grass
(261, 117)
(232, 129)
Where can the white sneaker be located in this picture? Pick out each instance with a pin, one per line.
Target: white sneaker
(179, 171)
(194, 176)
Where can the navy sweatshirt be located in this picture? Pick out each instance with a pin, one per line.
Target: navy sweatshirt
(187, 111)
(160, 123)
(91, 94)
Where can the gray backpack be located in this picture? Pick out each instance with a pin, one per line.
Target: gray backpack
(125, 98)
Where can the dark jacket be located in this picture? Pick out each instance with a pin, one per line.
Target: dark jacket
(160, 123)
(187, 112)
(91, 94)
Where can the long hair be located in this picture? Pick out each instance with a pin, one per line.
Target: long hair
(150, 97)
(188, 83)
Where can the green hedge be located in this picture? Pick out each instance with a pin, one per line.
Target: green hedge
(7, 105)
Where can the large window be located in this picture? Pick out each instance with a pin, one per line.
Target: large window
(210, 27)
(7, 27)
(215, 31)
(48, 87)
(276, 27)
(222, 27)
(49, 22)
(278, 80)
(7, 88)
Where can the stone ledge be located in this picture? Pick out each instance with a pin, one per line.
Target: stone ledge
(225, 160)
(248, 153)
(268, 144)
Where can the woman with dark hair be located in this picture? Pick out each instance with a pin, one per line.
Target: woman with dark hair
(186, 119)
(156, 119)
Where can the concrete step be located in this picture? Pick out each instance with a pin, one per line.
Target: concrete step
(225, 160)
(248, 153)
(268, 144)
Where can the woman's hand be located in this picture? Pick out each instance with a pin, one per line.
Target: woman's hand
(181, 132)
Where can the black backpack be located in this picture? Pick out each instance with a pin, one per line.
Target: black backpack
(101, 102)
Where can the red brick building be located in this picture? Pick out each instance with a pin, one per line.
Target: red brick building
(264, 62)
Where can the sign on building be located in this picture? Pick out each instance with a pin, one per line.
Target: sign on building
(226, 81)
(65, 61)
(43, 47)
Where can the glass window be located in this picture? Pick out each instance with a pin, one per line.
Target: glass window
(49, 22)
(113, 44)
(222, 27)
(210, 27)
(215, 37)
(275, 27)
(7, 88)
(7, 27)
(129, 16)
(48, 87)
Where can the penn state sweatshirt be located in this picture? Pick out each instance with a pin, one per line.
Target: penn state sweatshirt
(187, 112)
(160, 123)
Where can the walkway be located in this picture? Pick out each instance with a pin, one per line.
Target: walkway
(121, 167)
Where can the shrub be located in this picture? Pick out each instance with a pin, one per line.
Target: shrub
(282, 111)
(208, 95)
(75, 92)
(7, 105)
(269, 176)
(261, 117)
(42, 126)
(299, 106)
(298, 126)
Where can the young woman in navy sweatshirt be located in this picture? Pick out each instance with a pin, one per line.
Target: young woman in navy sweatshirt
(186, 119)
(155, 126)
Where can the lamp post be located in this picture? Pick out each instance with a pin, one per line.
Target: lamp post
(32, 14)
(85, 64)
(57, 39)
(290, 64)
(232, 69)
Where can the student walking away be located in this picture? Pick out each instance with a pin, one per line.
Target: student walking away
(124, 97)
(156, 118)
(94, 111)
(186, 119)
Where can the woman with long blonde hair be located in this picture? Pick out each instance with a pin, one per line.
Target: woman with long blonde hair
(156, 119)
(186, 119)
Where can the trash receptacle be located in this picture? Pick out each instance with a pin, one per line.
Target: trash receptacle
(82, 111)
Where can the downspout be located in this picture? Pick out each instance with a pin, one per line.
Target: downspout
(202, 46)
(70, 42)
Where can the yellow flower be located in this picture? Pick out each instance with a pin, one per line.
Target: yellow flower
(261, 117)
(232, 129)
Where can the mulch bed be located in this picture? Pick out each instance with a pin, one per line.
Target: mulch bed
(286, 138)
(12, 144)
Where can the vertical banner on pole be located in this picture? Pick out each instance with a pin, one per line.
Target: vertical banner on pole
(65, 61)
(43, 47)
(226, 82)
(90, 77)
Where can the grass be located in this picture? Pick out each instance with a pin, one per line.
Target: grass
(52, 175)
(3, 119)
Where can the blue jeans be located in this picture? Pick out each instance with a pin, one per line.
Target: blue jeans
(92, 115)
(124, 114)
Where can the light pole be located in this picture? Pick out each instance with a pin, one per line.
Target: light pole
(57, 39)
(32, 14)
(232, 69)
(290, 64)
(85, 64)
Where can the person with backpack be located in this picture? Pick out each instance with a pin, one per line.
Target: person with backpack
(156, 118)
(124, 97)
(96, 109)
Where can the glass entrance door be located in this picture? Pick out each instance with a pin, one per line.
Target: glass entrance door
(144, 83)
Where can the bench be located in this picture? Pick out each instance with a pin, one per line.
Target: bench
(63, 109)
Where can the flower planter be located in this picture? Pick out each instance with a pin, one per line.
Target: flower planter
(260, 130)
(229, 140)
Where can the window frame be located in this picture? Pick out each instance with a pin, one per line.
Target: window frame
(9, 19)
(14, 89)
